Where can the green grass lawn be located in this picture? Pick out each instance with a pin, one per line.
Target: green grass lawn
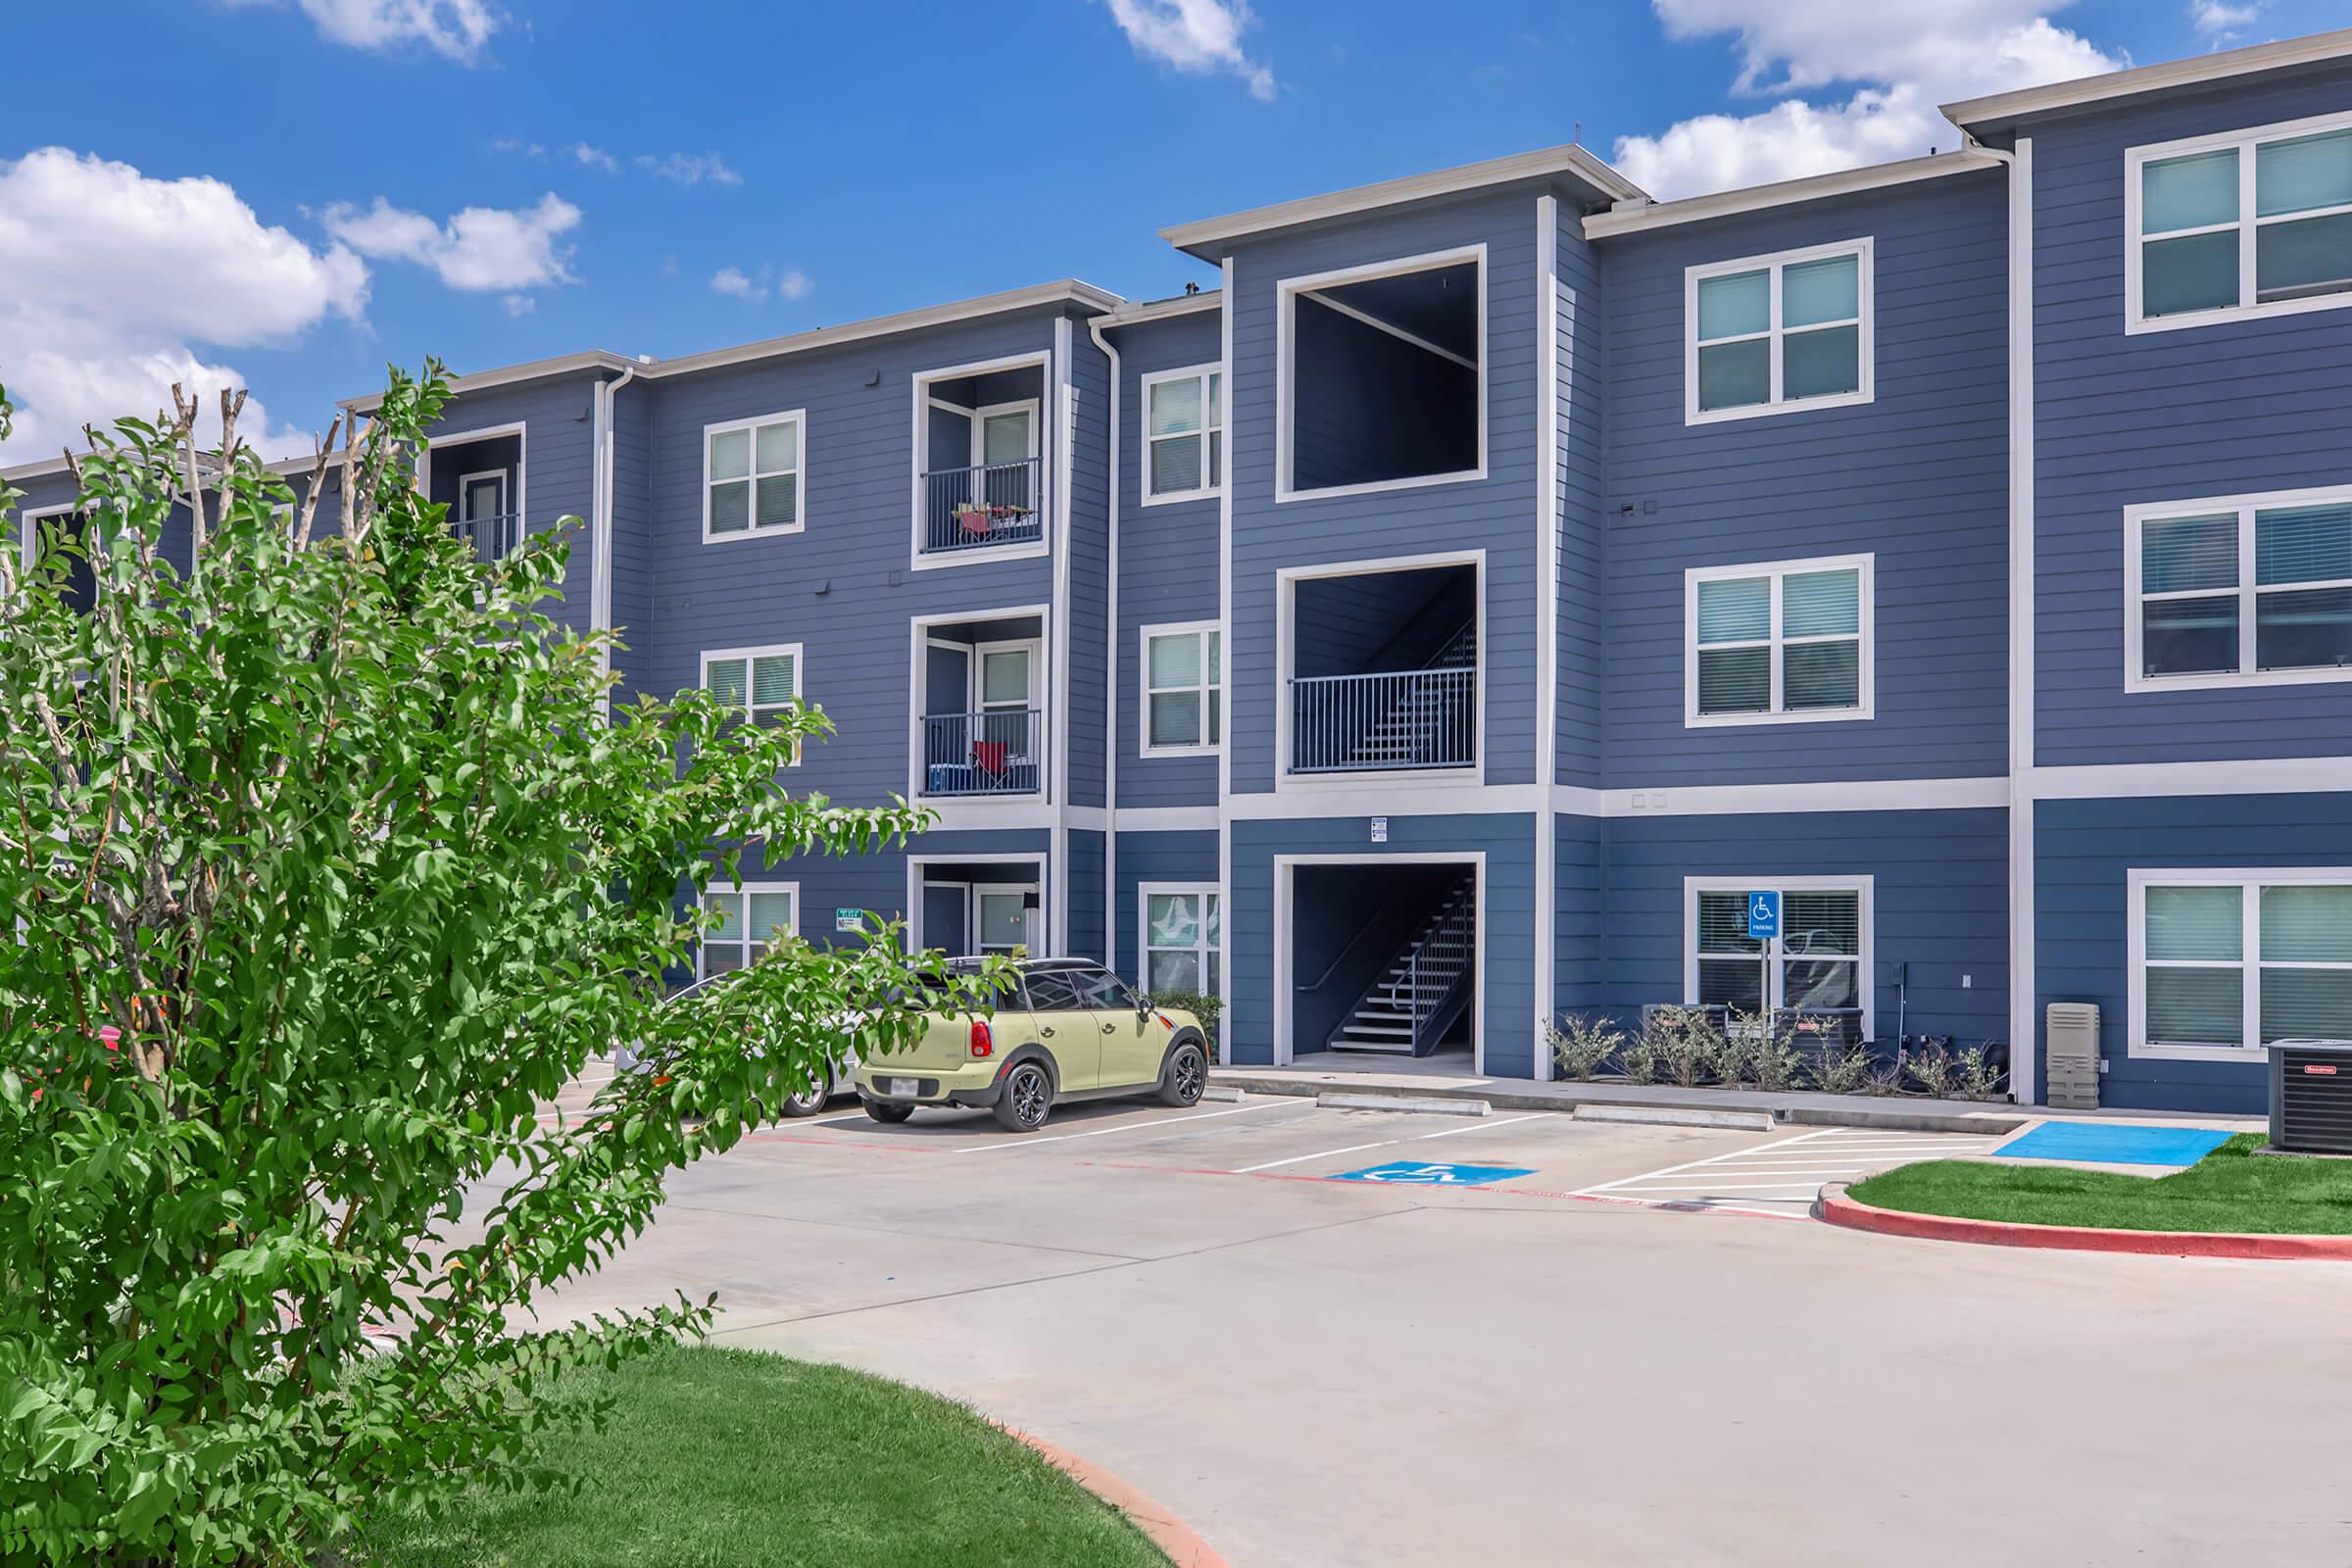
(2231, 1188)
(750, 1460)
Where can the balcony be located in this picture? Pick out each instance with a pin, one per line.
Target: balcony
(1382, 671)
(494, 536)
(981, 506)
(478, 476)
(994, 751)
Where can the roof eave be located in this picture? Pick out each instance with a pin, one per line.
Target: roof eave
(2002, 109)
(1782, 193)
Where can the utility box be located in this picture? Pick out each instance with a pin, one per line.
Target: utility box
(2311, 1096)
(2070, 1057)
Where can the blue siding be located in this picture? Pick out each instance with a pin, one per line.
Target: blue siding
(841, 587)
(2118, 419)
(1167, 561)
(1508, 842)
(2083, 852)
(1940, 890)
(635, 568)
(1919, 476)
(1087, 906)
(1579, 913)
(1153, 857)
(1581, 485)
(1495, 514)
(558, 465)
(1090, 572)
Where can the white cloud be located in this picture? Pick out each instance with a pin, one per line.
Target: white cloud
(110, 280)
(457, 29)
(1195, 37)
(733, 281)
(1899, 61)
(519, 305)
(594, 158)
(690, 169)
(480, 249)
(2222, 22)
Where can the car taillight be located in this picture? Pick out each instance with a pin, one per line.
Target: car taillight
(984, 1044)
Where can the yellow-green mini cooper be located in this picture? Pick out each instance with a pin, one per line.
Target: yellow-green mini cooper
(1070, 1030)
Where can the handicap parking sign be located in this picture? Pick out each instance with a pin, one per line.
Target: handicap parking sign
(1763, 916)
(1418, 1174)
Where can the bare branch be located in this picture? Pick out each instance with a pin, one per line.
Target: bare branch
(231, 405)
(309, 500)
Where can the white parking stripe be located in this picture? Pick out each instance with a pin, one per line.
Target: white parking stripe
(1105, 1132)
(1779, 1178)
(1352, 1148)
(1320, 1154)
(1488, 1126)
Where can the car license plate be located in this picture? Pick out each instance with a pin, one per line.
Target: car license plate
(906, 1087)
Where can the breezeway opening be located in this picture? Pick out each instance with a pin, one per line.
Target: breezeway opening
(1379, 960)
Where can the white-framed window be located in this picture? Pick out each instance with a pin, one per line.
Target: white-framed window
(1821, 964)
(1439, 374)
(1183, 937)
(1783, 642)
(1772, 334)
(2225, 962)
(1184, 433)
(759, 683)
(2245, 224)
(750, 917)
(754, 474)
(2238, 591)
(1184, 688)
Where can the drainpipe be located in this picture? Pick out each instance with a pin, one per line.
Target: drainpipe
(599, 524)
(1110, 683)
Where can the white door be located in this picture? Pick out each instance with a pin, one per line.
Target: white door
(1006, 676)
(1008, 440)
(1002, 917)
(482, 511)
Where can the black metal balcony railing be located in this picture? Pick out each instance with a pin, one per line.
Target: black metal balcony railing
(1001, 752)
(493, 537)
(1410, 719)
(984, 505)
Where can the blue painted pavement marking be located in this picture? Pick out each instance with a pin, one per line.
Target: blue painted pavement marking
(1420, 1173)
(2104, 1144)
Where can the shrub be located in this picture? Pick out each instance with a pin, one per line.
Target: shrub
(1638, 1060)
(329, 829)
(1838, 1066)
(1979, 1077)
(1686, 1042)
(1201, 1004)
(1934, 1069)
(1582, 1044)
(1772, 1058)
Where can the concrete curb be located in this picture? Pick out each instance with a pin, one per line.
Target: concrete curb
(1427, 1105)
(1224, 1094)
(1836, 1208)
(1745, 1121)
(1171, 1535)
(1995, 1121)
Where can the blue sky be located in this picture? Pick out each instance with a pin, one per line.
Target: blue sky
(292, 192)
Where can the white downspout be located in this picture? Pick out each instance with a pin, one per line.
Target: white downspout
(1110, 682)
(600, 523)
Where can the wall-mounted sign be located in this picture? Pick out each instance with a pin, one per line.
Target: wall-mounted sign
(1380, 830)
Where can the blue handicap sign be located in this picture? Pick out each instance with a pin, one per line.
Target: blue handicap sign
(1419, 1173)
(1763, 916)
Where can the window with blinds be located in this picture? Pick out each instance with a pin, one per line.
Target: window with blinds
(2251, 588)
(1767, 333)
(1778, 643)
(752, 476)
(2230, 961)
(1817, 963)
(2248, 224)
(757, 683)
(1184, 433)
(1184, 688)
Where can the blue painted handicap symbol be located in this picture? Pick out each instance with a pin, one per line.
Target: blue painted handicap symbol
(1763, 916)
(1415, 1173)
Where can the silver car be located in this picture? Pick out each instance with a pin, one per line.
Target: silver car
(808, 1103)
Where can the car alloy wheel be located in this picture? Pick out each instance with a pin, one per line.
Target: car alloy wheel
(1028, 1096)
(1188, 1075)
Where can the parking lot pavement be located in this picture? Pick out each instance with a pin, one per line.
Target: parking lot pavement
(1321, 1371)
(1781, 1175)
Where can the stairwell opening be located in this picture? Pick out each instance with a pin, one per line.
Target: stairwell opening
(1384, 961)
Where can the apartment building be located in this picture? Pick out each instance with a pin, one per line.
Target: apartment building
(1444, 619)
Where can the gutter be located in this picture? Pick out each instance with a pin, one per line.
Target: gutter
(599, 524)
(1110, 677)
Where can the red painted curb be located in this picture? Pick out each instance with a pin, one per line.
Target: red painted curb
(1153, 1518)
(1835, 1208)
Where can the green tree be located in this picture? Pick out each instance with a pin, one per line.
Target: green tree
(329, 868)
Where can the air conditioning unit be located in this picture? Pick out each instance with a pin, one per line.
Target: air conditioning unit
(2070, 1057)
(2311, 1096)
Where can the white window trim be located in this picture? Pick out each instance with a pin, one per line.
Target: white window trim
(800, 675)
(1286, 366)
(1033, 701)
(1143, 893)
(1146, 440)
(2135, 520)
(29, 534)
(1864, 249)
(744, 891)
(917, 557)
(1863, 886)
(2245, 222)
(1203, 629)
(1381, 781)
(989, 810)
(1867, 692)
(800, 471)
(2137, 882)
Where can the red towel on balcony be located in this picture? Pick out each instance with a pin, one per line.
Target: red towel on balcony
(989, 755)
